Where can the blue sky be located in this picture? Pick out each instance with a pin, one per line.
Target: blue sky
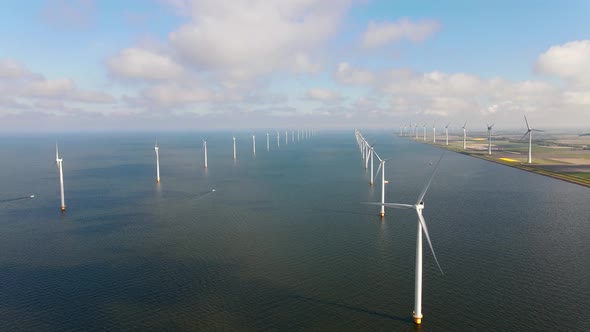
(205, 64)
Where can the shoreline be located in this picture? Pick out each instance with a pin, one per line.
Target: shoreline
(518, 165)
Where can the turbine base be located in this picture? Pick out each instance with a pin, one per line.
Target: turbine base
(370, 183)
(382, 214)
(158, 181)
(417, 319)
(63, 209)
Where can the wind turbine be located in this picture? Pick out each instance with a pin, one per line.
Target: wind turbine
(464, 134)
(253, 144)
(298, 133)
(424, 127)
(447, 132)
(530, 133)
(383, 182)
(419, 206)
(267, 142)
(416, 129)
(371, 153)
(59, 162)
(433, 133)
(490, 138)
(278, 139)
(205, 150)
(286, 137)
(234, 138)
(157, 148)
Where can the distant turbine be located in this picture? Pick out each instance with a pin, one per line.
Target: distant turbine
(418, 206)
(371, 153)
(253, 144)
(447, 132)
(464, 135)
(424, 127)
(205, 150)
(286, 137)
(234, 138)
(383, 182)
(433, 133)
(278, 139)
(416, 129)
(59, 162)
(267, 142)
(156, 148)
(490, 138)
(530, 133)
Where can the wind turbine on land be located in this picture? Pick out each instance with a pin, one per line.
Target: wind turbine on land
(464, 135)
(205, 150)
(157, 149)
(234, 138)
(447, 132)
(530, 133)
(418, 206)
(490, 138)
(59, 162)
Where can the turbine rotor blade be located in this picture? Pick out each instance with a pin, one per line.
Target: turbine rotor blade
(425, 229)
(421, 197)
(376, 173)
(523, 136)
(527, 123)
(392, 205)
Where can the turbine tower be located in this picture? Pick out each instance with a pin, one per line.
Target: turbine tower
(205, 151)
(59, 162)
(464, 135)
(157, 148)
(286, 137)
(419, 206)
(234, 138)
(416, 129)
(424, 127)
(383, 182)
(490, 138)
(447, 132)
(267, 142)
(371, 153)
(530, 133)
(278, 139)
(253, 144)
(433, 133)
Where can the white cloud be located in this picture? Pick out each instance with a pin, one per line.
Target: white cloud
(570, 61)
(378, 34)
(248, 38)
(346, 74)
(323, 95)
(10, 69)
(174, 94)
(137, 63)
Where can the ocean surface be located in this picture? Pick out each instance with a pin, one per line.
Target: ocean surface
(284, 242)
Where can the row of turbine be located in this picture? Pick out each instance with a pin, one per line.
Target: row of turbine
(300, 134)
(367, 152)
(529, 132)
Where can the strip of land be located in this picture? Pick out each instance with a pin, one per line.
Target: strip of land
(564, 157)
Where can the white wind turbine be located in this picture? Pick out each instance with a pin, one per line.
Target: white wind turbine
(254, 144)
(416, 129)
(278, 139)
(59, 162)
(433, 133)
(424, 127)
(157, 149)
(447, 132)
(371, 153)
(234, 138)
(267, 142)
(490, 138)
(464, 135)
(418, 206)
(530, 133)
(286, 137)
(205, 151)
(383, 182)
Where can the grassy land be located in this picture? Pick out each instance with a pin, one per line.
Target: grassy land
(507, 149)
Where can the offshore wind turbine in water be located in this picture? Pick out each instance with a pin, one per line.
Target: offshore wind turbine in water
(205, 151)
(157, 149)
(234, 138)
(418, 207)
(59, 162)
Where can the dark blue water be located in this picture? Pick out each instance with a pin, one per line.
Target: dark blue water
(283, 242)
